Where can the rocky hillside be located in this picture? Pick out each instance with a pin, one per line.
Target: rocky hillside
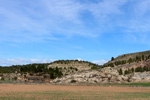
(45, 72)
(131, 55)
(105, 75)
(72, 66)
(132, 60)
(134, 67)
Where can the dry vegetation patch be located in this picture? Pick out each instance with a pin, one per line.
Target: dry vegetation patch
(57, 92)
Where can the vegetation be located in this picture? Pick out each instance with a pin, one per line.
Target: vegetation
(42, 69)
(130, 60)
(77, 93)
(112, 58)
(95, 67)
(127, 71)
(138, 69)
(120, 71)
(133, 84)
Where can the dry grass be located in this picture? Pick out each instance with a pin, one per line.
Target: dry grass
(57, 92)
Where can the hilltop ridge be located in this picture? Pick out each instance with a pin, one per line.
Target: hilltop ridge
(130, 67)
(132, 55)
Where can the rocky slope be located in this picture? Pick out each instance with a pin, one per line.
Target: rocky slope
(68, 67)
(135, 67)
(132, 60)
(130, 55)
(44, 72)
(105, 75)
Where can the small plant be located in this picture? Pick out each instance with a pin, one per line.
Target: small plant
(2, 79)
(73, 81)
(94, 67)
(76, 69)
(120, 71)
(15, 78)
(112, 58)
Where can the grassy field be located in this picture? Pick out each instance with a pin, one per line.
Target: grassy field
(132, 84)
(57, 92)
(64, 95)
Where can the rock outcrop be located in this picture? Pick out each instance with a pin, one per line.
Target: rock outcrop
(140, 77)
(105, 75)
(68, 67)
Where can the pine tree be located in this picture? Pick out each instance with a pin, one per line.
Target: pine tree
(120, 72)
(112, 58)
(132, 69)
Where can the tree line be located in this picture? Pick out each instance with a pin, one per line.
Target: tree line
(132, 70)
(130, 60)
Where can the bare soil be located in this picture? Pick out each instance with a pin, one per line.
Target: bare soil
(48, 87)
(56, 92)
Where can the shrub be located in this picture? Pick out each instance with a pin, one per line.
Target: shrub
(112, 58)
(120, 71)
(73, 81)
(15, 78)
(95, 67)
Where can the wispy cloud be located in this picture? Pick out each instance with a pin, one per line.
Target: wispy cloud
(100, 62)
(104, 9)
(9, 62)
(29, 21)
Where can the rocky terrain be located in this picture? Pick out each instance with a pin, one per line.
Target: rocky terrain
(44, 72)
(134, 67)
(106, 75)
(130, 60)
(68, 67)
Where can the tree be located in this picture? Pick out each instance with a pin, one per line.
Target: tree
(132, 69)
(120, 72)
(130, 60)
(15, 78)
(126, 72)
(112, 58)
(139, 69)
(94, 67)
(52, 75)
(142, 57)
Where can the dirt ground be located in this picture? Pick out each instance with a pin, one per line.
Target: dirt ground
(48, 87)
(47, 92)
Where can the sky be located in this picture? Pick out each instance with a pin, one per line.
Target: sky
(42, 31)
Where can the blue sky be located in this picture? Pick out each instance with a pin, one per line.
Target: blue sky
(37, 31)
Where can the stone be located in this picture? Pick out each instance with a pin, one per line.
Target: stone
(119, 78)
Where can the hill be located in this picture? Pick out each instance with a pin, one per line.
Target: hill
(129, 59)
(133, 67)
(134, 56)
(46, 71)
(72, 66)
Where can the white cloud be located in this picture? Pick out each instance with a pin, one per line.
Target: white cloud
(28, 21)
(39, 20)
(107, 7)
(68, 9)
(9, 62)
(79, 59)
(100, 62)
